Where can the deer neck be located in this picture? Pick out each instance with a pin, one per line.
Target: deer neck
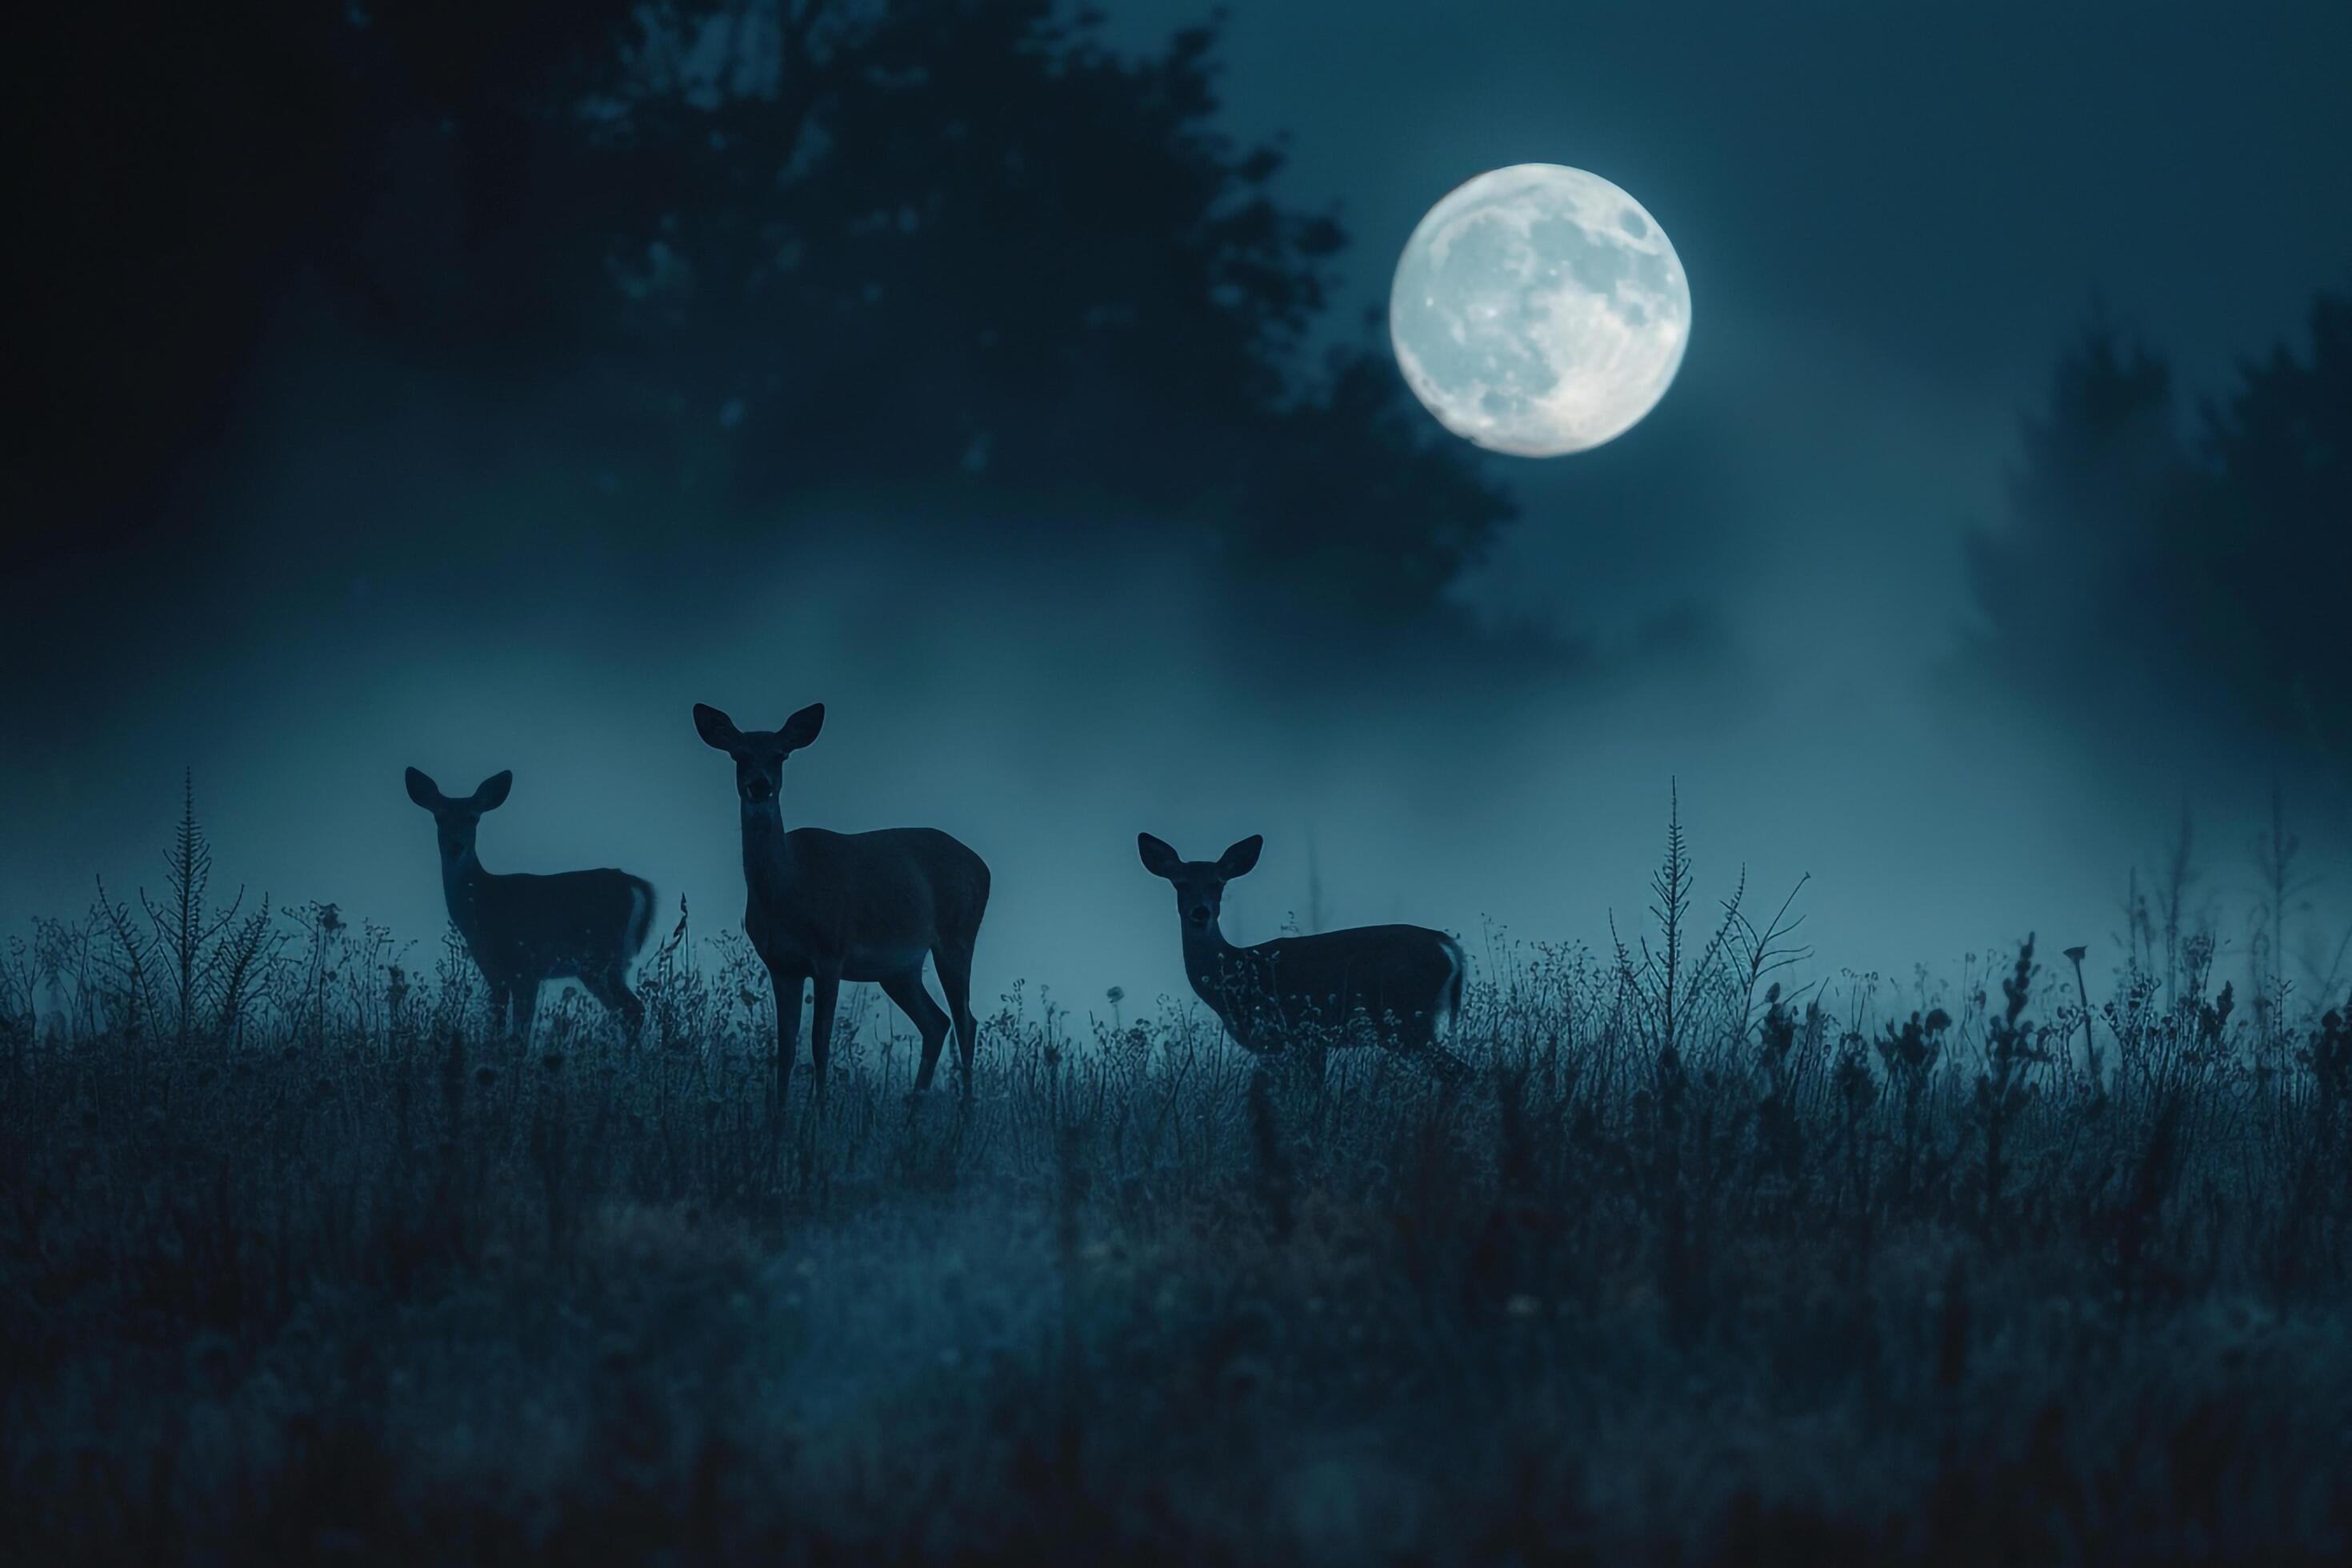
(1206, 954)
(768, 862)
(461, 885)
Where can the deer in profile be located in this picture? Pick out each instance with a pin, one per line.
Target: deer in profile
(1396, 985)
(524, 930)
(822, 907)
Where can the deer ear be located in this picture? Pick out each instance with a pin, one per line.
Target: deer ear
(493, 792)
(423, 791)
(801, 727)
(1237, 861)
(714, 728)
(1158, 859)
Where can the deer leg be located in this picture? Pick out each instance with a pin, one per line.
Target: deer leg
(1418, 1040)
(526, 1009)
(906, 991)
(1420, 1033)
(954, 964)
(788, 1029)
(823, 995)
(501, 1007)
(608, 987)
(1415, 1039)
(1314, 1054)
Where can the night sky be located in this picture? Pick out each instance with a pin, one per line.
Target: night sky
(1894, 221)
(1892, 215)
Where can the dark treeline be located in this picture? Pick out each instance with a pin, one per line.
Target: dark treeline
(955, 248)
(2169, 566)
(765, 250)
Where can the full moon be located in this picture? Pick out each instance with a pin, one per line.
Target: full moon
(1539, 310)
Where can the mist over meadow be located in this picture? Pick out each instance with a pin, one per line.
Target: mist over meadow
(1044, 678)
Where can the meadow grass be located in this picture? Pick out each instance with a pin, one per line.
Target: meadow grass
(299, 1262)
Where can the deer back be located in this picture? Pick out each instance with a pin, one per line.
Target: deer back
(899, 889)
(1327, 980)
(564, 923)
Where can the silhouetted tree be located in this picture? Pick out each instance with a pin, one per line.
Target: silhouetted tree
(2079, 566)
(812, 245)
(2274, 557)
(2191, 574)
(960, 238)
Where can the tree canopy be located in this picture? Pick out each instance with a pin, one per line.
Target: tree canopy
(816, 244)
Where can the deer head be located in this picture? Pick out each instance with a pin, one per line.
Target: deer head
(454, 822)
(758, 754)
(1200, 884)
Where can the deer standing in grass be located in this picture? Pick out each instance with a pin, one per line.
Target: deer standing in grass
(1397, 985)
(822, 907)
(524, 930)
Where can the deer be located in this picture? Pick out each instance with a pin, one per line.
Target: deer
(822, 907)
(522, 930)
(1397, 985)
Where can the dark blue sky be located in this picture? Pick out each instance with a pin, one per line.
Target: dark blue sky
(1891, 216)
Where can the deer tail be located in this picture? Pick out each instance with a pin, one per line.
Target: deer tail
(641, 917)
(1449, 993)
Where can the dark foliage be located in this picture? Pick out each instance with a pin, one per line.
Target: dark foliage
(2200, 574)
(785, 249)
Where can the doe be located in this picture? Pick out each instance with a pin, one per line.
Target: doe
(524, 930)
(823, 907)
(1397, 985)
